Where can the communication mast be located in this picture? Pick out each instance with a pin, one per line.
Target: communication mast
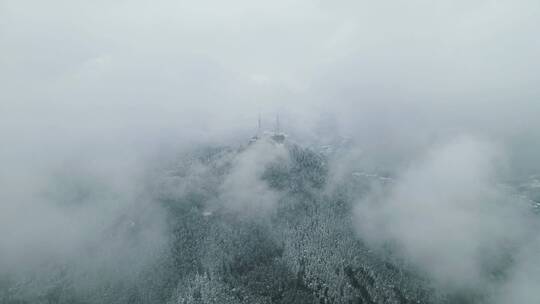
(278, 136)
(258, 134)
(259, 126)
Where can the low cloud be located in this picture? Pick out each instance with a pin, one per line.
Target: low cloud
(87, 210)
(244, 190)
(448, 215)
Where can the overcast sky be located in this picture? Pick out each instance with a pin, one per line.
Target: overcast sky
(393, 74)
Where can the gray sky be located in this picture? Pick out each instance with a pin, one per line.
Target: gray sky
(110, 77)
(387, 67)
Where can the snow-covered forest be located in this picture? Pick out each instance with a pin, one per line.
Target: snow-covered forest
(276, 222)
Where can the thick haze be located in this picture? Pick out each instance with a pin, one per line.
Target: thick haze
(393, 74)
(448, 215)
(92, 91)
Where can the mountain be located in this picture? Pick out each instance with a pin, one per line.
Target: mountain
(266, 222)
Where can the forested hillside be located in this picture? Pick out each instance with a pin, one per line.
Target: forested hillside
(265, 222)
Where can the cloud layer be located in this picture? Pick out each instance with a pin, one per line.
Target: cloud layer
(449, 216)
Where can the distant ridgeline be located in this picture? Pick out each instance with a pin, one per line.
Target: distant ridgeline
(301, 249)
